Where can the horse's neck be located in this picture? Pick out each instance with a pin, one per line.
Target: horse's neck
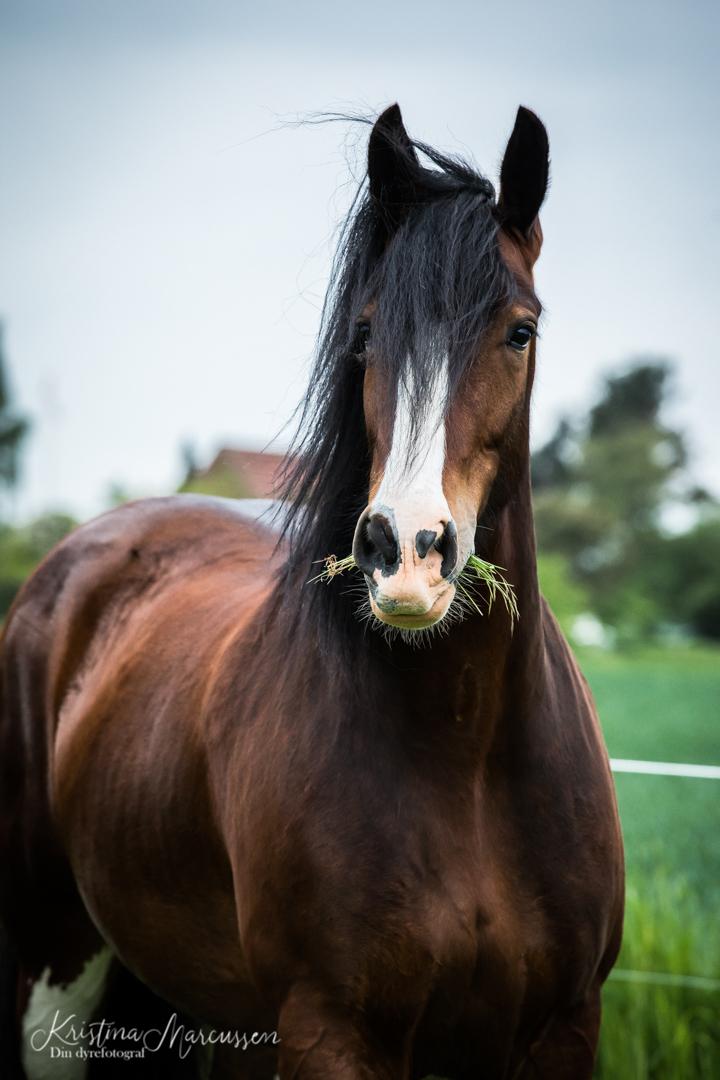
(469, 680)
(485, 674)
(523, 649)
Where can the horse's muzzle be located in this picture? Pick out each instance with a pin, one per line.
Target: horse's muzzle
(407, 573)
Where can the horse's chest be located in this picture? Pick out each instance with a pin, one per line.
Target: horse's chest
(478, 935)
(452, 933)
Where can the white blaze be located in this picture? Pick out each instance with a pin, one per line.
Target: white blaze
(412, 481)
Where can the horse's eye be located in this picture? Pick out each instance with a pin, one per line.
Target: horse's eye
(520, 337)
(362, 336)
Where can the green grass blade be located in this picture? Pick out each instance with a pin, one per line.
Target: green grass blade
(333, 567)
(493, 577)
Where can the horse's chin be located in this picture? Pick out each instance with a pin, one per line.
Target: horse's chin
(416, 620)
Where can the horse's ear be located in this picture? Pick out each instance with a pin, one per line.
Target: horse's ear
(392, 165)
(524, 175)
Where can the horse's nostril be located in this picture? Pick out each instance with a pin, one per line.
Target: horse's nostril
(424, 541)
(447, 545)
(376, 545)
(381, 534)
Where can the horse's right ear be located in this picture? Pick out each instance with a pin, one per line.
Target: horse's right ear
(392, 165)
(524, 177)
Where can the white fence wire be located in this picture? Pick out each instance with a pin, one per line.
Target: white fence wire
(666, 768)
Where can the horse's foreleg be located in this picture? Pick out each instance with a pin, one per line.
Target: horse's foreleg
(321, 1040)
(10, 1033)
(133, 1007)
(568, 1048)
(229, 1063)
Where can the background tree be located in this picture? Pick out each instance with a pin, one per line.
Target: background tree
(21, 548)
(13, 428)
(602, 486)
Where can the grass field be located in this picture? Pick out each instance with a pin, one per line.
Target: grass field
(663, 705)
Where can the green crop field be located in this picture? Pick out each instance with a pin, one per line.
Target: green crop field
(663, 706)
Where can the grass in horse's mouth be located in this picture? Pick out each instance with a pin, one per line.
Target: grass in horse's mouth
(333, 567)
(475, 570)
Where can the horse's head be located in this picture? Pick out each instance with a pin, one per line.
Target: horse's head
(446, 338)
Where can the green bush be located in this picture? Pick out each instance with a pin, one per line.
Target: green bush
(21, 549)
(654, 1029)
(566, 597)
(222, 481)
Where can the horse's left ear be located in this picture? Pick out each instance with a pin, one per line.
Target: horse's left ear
(524, 177)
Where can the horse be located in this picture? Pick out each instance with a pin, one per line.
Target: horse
(368, 816)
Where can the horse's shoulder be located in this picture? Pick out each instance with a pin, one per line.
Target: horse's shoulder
(570, 714)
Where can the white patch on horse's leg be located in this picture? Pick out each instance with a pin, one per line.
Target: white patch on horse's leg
(50, 1006)
(412, 481)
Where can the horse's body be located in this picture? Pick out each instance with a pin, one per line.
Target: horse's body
(405, 861)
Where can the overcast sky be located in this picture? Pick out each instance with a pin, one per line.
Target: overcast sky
(166, 239)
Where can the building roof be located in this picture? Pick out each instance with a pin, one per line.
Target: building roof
(253, 472)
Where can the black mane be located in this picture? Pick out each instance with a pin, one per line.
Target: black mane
(436, 273)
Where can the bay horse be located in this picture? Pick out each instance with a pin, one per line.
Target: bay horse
(396, 853)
